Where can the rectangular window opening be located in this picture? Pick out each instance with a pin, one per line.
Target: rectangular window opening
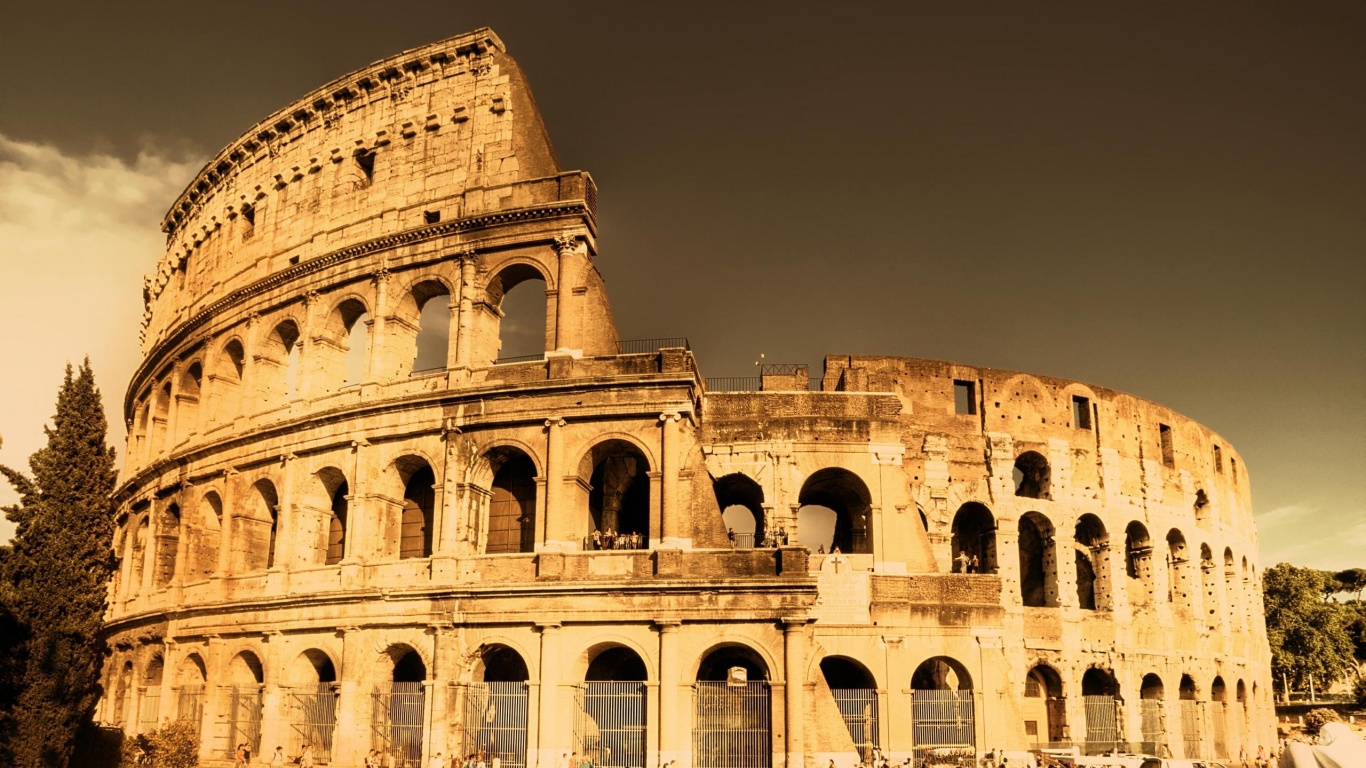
(1218, 460)
(431, 217)
(1081, 412)
(1168, 452)
(965, 398)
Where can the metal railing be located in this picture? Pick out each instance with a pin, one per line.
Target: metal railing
(496, 722)
(1192, 732)
(743, 541)
(149, 705)
(312, 716)
(753, 383)
(1153, 717)
(396, 720)
(1102, 724)
(538, 357)
(190, 706)
(943, 718)
(609, 723)
(1218, 715)
(731, 725)
(858, 707)
(244, 720)
(650, 346)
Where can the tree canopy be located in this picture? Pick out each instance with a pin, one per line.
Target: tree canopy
(1309, 634)
(53, 583)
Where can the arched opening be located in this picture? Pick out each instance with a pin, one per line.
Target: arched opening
(400, 707)
(1242, 720)
(1218, 717)
(1178, 572)
(226, 382)
(187, 402)
(609, 716)
(245, 693)
(1032, 476)
(974, 539)
(841, 492)
(254, 529)
(519, 294)
(149, 695)
(123, 693)
(277, 368)
(139, 555)
(344, 353)
(189, 688)
(731, 710)
(619, 499)
(1138, 564)
(1192, 720)
(1100, 698)
(942, 708)
(1152, 711)
(496, 707)
(310, 704)
(512, 504)
(1233, 612)
(161, 420)
(1092, 551)
(1038, 561)
(206, 535)
(855, 693)
(140, 438)
(168, 545)
(331, 492)
(741, 501)
(429, 303)
(1045, 711)
(419, 504)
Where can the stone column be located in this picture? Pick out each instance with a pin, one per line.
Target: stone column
(169, 659)
(173, 407)
(556, 536)
(210, 740)
(672, 519)
(305, 386)
(149, 551)
(670, 716)
(375, 369)
(794, 667)
(225, 534)
(550, 731)
(566, 247)
(447, 506)
(274, 728)
(464, 338)
(351, 737)
(1008, 562)
(277, 580)
(248, 396)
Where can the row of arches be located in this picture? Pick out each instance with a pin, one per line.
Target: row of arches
(245, 528)
(834, 513)
(361, 336)
(973, 539)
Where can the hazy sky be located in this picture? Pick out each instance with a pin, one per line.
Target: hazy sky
(1169, 200)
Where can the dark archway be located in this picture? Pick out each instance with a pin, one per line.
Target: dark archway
(418, 516)
(1092, 553)
(1032, 476)
(512, 506)
(619, 502)
(855, 693)
(610, 729)
(844, 494)
(1153, 714)
(732, 706)
(943, 712)
(1038, 561)
(1101, 699)
(974, 539)
(741, 502)
(1045, 711)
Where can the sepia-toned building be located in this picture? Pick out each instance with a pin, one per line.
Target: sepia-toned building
(349, 518)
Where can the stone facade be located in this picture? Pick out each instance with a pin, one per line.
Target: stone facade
(347, 520)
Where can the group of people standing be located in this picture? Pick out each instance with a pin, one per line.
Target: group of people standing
(305, 758)
(610, 539)
(966, 564)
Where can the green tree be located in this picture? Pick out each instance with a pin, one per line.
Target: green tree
(1352, 580)
(54, 578)
(1308, 633)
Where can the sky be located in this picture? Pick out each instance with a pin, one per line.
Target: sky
(1168, 199)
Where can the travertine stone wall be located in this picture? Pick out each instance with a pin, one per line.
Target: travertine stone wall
(349, 517)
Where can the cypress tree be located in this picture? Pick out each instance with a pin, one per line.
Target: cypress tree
(54, 579)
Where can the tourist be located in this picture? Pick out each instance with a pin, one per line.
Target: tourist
(730, 534)
(961, 562)
(240, 756)
(438, 761)
(782, 536)
(372, 759)
(278, 759)
(306, 757)
(820, 550)
(975, 566)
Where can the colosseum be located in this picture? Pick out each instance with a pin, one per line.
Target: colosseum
(351, 517)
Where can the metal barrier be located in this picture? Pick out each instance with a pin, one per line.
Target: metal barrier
(858, 707)
(396, 719)
(943, 719)
(149, 704)
(190, 706)
(650, 346)
(609, 723)
(244, 720)
(312, 716)
(495, 722)
(731, 725)
(1102, 724)
(958, 757)
(1153, 715)
(734, 383)
(1192, 732)
(743, 541)
(1218, 714)
(538, 357)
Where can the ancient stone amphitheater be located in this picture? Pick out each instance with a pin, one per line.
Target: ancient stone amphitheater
(352, 517)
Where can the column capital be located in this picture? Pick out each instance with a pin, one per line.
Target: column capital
(566, 243)
(556, 422)
(795, 623)
(548, 627)
(667, 626)
(670, 416)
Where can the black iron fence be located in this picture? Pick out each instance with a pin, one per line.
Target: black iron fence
(650, 346)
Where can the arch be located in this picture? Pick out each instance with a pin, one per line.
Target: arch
(226, 381)
(511, 514)
(609, 662)
(612, 699)
(1038, 561)
(846, 495)
(1178, 570)
(168, 544)
(310, 669)
(245, 670)
(741, 501)
(1233, 612)
(277, 367)
(1092, 554)
(619, 495)
(399, 705)
(521, 317)
(973, 539)
(334, 491)
(206, 535)
(123, 691)
(1138, 563)
(1217, 690)
(1044, 709)
(1188, 690)
(254, 528)
(191, 672)
(161, 438)
(1152, 714)
(500, 663)
(417, 515)
(1097, 681)
(732, 703)
(1032, 476)
(854, 690)
(343, 351)
(309, 703)
(1151, 687)
(187, 401)
(1192, 718)
(718, 661)
(140, 534)
(942, 704)
(432, 323)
